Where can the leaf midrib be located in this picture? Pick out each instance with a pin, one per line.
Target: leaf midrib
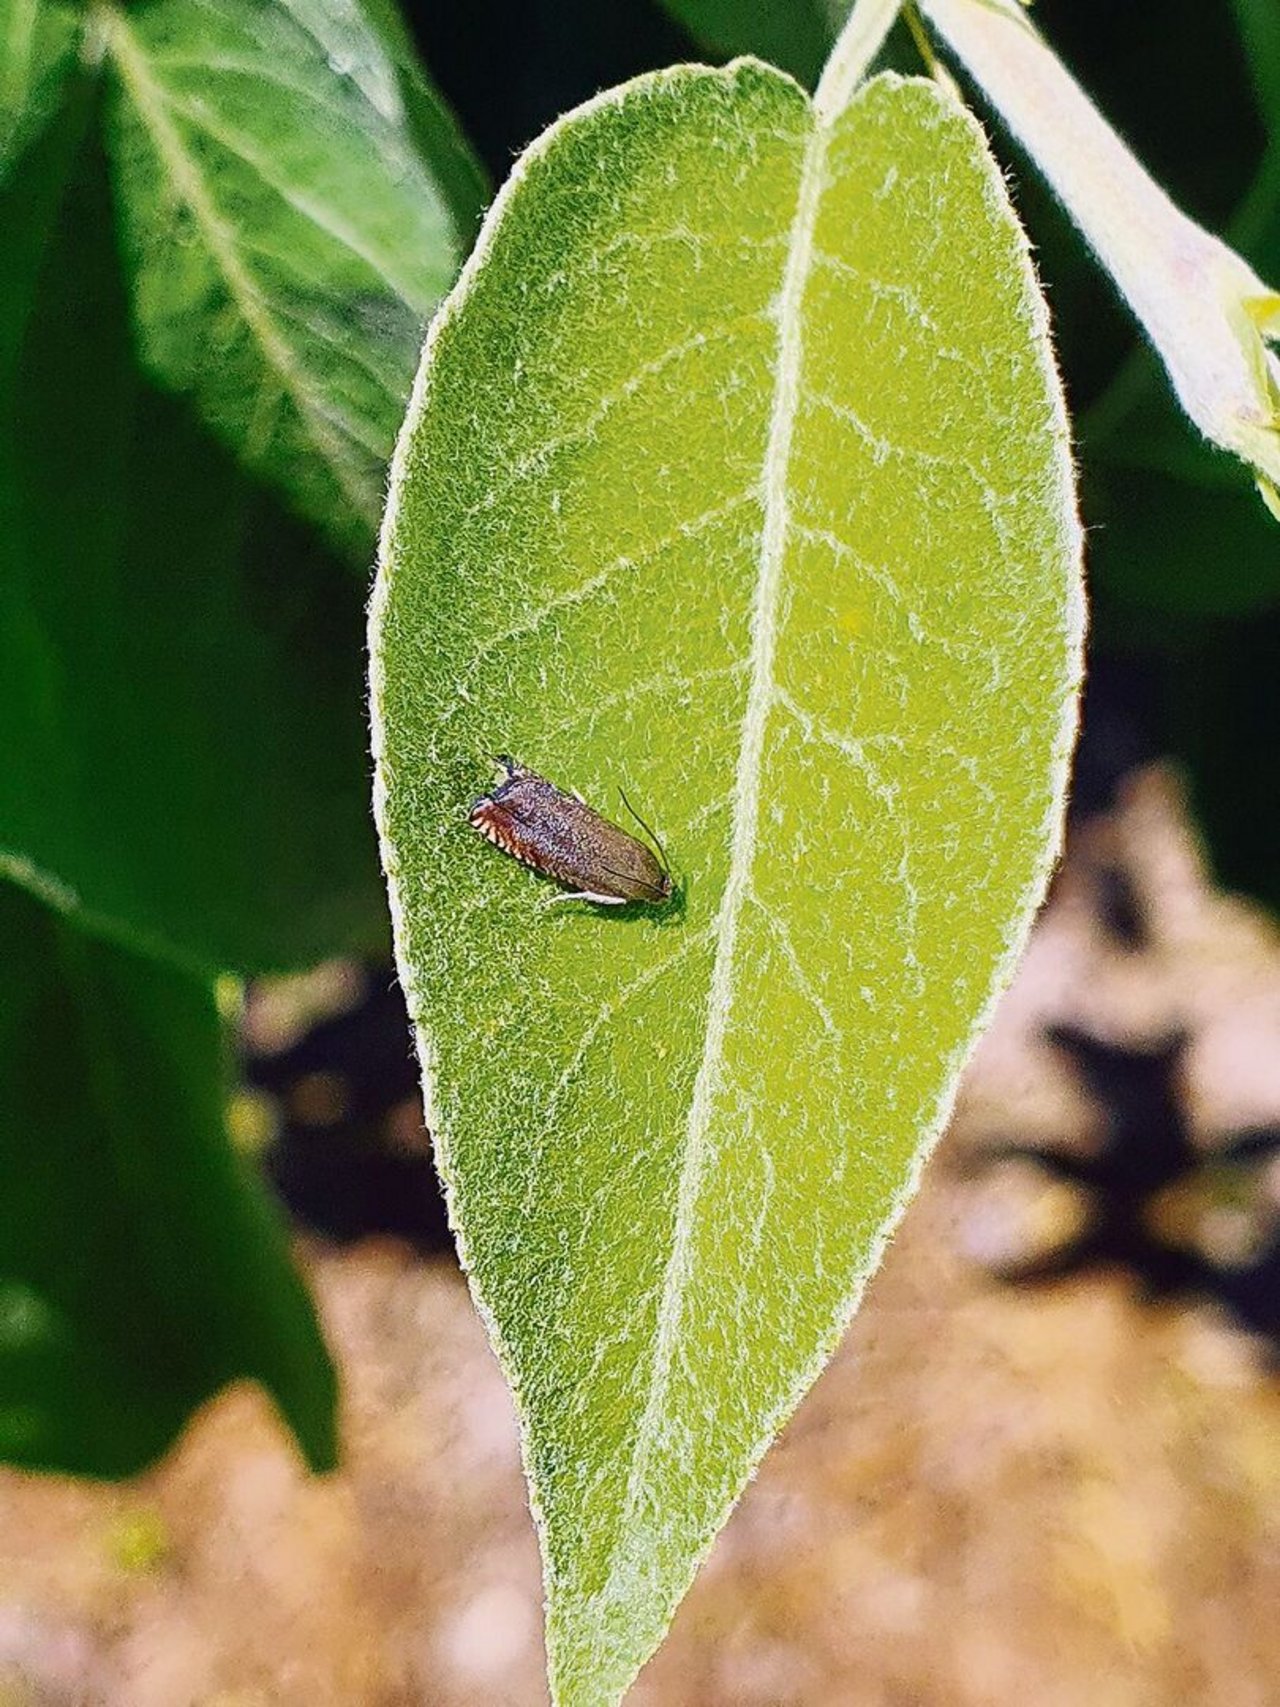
(151, 104)
(746, 812)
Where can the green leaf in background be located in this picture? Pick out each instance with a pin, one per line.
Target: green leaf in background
(38, 44)
(1184, 562)
(33, 184)
(140, 1268)
(184, 757)
(793, 34)
(1164, 544)
(439, 139)
(1222, 704)
(1177, 526)
(737, 476)
(1259, 24)
(286, 237)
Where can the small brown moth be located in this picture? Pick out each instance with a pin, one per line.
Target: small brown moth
(560, 835)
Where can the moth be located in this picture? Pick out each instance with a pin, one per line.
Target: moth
(559, 835)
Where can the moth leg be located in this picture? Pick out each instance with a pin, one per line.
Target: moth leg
(587, 895)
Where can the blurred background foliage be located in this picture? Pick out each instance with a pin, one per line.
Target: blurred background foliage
(225, 227)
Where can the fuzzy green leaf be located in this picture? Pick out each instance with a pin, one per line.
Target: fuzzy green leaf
(736, 475)
(140, 1268)
(287, 232)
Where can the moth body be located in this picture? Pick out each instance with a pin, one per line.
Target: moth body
(559, 835)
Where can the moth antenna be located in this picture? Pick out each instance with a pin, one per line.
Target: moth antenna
(612, 871)
(652, 834)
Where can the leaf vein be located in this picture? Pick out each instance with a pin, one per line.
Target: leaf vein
(707, 1084)
(534, 460)
(624, 561)
(150, 101)
(608, 1012)
(839, 548)
(195, 112)
(883, 448)
(672, 682)
(799, 977)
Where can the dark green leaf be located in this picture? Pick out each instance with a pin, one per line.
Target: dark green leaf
(1223, 719)
(140, 1268)
(184, 760)
(287, 236)
(1259, 23)
(38, 44)
(1165, 543)
(793, 34)
(440, 141)
(1178, 529)
(32, 192)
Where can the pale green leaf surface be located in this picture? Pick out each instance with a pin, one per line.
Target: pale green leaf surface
(737, 474)
(287, 233)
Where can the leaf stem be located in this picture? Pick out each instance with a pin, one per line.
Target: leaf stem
(919, 35)
(859, 41)
(1206, 311)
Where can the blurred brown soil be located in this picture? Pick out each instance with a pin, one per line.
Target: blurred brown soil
(993, 1497)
